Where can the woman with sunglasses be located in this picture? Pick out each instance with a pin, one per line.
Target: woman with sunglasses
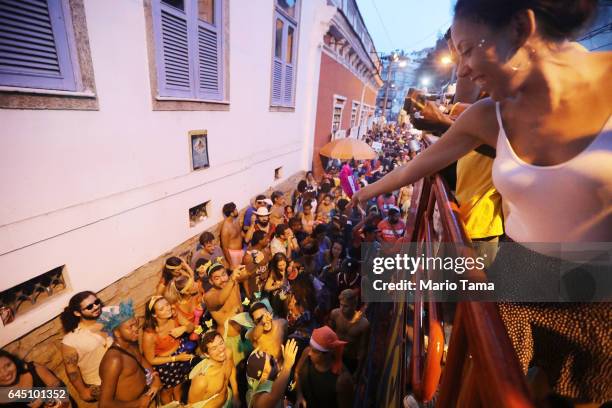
(549, 119)
(84, 344)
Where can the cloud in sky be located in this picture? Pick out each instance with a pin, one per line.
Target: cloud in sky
(405, 24)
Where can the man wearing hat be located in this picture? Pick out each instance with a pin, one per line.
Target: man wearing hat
(267, 382)
(322, 380)
(392, 227)
(249, 214)
(262, 223)
(126, 375)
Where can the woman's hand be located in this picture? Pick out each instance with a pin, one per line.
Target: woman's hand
(184, 357)
(358, 199)
(178, 331)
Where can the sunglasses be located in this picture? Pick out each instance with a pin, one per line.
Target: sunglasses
(259, 319)
(91, 306)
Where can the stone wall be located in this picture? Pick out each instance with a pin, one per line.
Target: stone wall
(42, 344)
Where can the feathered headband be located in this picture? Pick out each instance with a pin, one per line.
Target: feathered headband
(113, 316)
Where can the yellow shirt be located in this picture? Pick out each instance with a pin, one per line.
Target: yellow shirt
(479, 201)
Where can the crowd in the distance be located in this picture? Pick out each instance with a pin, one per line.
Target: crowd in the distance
(266, 314)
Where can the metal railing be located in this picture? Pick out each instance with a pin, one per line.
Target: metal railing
(481, 367)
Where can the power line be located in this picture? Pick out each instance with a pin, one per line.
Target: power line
(601, 46)
(383, 23)
(428, 36)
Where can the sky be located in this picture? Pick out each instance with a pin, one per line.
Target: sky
(410, 25)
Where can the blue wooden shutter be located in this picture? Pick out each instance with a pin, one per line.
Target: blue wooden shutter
(210, 56)
(283, 62)
(171, 30)
(34, 49)
(277, 59)
(289, 77)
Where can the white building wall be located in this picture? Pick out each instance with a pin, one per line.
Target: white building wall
(106, 191)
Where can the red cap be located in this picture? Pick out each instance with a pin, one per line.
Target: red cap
(325, 339)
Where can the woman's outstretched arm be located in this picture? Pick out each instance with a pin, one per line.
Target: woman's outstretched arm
(470, 130)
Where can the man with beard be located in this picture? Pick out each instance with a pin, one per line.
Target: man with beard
(269, 333)
(261, 223)
(84, 344)
(392, 227)
(352, 327)
(231, 236)
(224, 303)
(128, 380)
(213, 380)
(250, 212)
(256, 261)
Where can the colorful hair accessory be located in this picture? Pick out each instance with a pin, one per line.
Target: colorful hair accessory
(152, 301)
(172, 267)
(214, 267)
(246, 301)
(113, 316)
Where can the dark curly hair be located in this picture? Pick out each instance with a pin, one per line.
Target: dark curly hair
(69, 320)
(558, 19)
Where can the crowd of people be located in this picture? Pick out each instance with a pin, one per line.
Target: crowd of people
(269, 313)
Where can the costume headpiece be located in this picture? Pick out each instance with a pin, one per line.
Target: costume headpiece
(113, 316)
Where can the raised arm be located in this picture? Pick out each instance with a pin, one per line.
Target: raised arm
(216, 299)
(474, 127)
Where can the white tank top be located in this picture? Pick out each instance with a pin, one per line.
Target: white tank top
(566, 202)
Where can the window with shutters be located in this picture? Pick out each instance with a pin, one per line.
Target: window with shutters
(284, 57)
(35, 45)
(189, 49)
(45, 59)
(339, 102)
(354, 111)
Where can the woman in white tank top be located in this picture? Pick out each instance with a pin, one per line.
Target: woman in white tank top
(549, 118)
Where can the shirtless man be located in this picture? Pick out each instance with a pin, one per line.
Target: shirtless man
(277, 212)
(351, 327)
(224, 302)
(231, 236)
(128, 380)
(256, 260)
(269, 333)
(213, 380)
